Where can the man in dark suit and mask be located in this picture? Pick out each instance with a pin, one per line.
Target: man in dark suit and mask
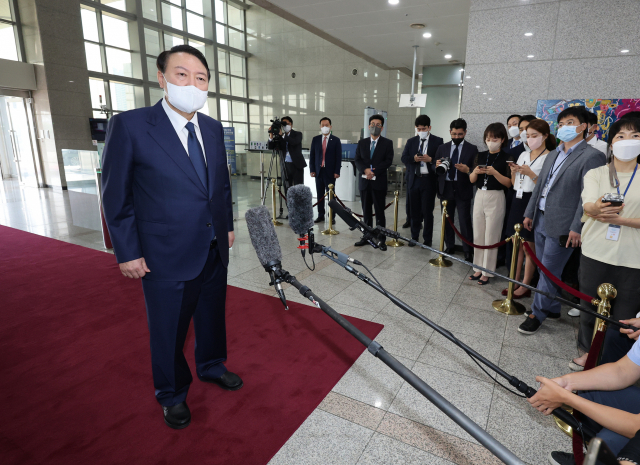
(374, 156)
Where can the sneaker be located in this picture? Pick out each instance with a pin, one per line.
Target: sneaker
(527, 312)
(561, 458)
(529, 325)
(554, 316)
(574, 312)
(575, 367)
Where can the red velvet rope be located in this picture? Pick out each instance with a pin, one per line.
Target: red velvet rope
(359, 216)
(463, 239)
(558, 282)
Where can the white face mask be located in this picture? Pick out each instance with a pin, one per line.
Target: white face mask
(423, 134)
(523, 137)
(325, 130)
(494, 146)
(626, 150)
(185, 98)
(514, 131)
(287, 128)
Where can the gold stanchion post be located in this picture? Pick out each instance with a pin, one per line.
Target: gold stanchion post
(508, 306)
(273, 200)
(396, 200)
(606, 292)
(442, 262)
(330, 231)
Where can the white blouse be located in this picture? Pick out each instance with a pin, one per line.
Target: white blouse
(524, 182)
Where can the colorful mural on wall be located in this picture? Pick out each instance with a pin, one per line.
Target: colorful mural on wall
(608, 111)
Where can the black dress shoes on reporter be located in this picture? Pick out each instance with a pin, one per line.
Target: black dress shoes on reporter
(177, 416)
(450, 250)
(468, 257)
(319, 219)
(229, 381)
(406, 225)
(361, 242)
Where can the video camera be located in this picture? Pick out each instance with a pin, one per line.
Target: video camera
(275, 130)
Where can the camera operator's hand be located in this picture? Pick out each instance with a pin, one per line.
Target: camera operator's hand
(462, 168)
(630, 332)
(438, 163)
(368, 172)
(552, 394)
(528, 224)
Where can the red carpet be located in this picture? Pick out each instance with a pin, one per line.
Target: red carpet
(75, 375)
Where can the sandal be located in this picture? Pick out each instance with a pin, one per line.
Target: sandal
(483, 283)
(473, 277)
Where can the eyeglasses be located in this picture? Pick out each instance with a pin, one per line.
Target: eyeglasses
(373, 125)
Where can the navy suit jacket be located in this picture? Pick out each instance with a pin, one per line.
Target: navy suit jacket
(381, 161)
(515, 151)
(332, 158)
(154, 203)
(468, 154)
(411, 149)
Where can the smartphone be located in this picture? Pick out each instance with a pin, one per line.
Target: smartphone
(510, 162)
(599, 452)
(563, 241)
(482, 167)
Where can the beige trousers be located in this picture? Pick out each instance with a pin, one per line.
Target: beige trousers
(488, 215)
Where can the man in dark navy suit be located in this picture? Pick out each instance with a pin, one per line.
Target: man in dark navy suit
(454, 185)
(167, 203)
(422, 180)
(325, 158)
(374, 156)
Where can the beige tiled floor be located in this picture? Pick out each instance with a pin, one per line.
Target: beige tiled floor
(372, 416)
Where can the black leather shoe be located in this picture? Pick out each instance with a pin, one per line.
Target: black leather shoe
(468, 257)
(229, 381)
(406, 225)
(361, 242)
(177, 416)
(450, 250)
(427, 243)
(319, 219)
(412, 244)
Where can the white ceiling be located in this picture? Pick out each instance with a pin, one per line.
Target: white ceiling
(381, 30)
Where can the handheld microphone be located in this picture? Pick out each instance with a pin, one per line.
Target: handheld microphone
(265, 242)
(300, 206)
(372, 236)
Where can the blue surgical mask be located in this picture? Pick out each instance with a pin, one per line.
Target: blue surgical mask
(567, 133)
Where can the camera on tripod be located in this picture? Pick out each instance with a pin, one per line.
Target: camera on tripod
(275, 131)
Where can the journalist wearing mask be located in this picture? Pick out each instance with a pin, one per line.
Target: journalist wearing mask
(611, 238)
(492, 177)
(167, 204)
(524, 176)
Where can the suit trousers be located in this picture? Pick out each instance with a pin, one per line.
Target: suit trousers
(554, 257)
(626, 305)
(488, 216)
(463, 206)
(422, 197)
(407, 204)
(373, 198)
(627, 400)
(323, 179)
(295, 175)
(170, 307)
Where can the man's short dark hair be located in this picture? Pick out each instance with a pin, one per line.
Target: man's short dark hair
(497, 130)
(423, 120)
(325, 119)
(576, 111)
(287, 118)
(161, 61)
(527, 118)
(458, 124)
(378, 117)
(631, 115)
(514, 116)
(592, 118)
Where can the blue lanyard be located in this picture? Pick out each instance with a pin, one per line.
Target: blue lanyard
(630, 181)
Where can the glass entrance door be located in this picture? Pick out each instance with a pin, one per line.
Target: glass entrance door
(22, 139)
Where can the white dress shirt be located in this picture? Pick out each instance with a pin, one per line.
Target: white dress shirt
(525, 183)
(179, 123)
(598, 144)
(453, 147)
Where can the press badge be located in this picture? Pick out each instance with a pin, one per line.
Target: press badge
(613, 232)
(545, 190)
(519, 193)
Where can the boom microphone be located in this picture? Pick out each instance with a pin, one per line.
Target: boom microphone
(265, 242)
(372, 236)
(299, 204)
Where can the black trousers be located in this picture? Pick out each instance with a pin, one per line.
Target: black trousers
(373, 198)
(294, 175)
(170, 307)
(323, 179)
(407, 204)
(454, 202)
(423, 199)
(626, 305)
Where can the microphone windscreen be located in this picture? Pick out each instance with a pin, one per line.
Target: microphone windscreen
(342, 213)
(300, 206)
(263, 235)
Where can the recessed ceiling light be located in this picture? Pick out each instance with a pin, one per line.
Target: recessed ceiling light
(484, 93)
(477, 87)
(490, 98)
(624, 51)
(528, 34)
(529, 56)
(447, 56)
(468, 77)
(426, 35)
(70, 81)
(394, 2)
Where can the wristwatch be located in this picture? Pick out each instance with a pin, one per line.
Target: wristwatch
(534, 178)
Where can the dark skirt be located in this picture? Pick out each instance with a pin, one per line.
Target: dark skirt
(516, 215)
